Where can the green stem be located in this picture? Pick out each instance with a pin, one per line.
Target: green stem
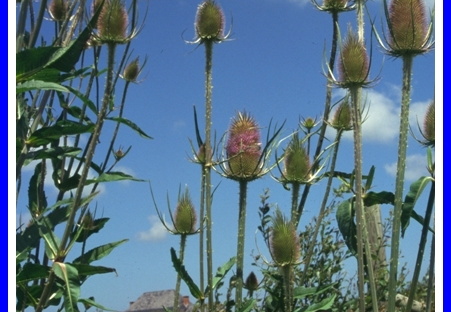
(62, 252)
(287, 277)
(201, 234)
(360, 20)
(240, 243)
(363, 245)
(208, 164)
(175, 307)
(399, 188)
(431, 276)
(424, 233)
(295, 217)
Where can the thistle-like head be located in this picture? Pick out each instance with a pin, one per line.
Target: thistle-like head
(58, 10)
(185, 217)
(297, 166)
(283, 241)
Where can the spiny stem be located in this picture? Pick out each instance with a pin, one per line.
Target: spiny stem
(399, 188)
(179, 278)
(208, 164)
(201, 234)
(240, 243)
(288, 300)
(424, 233)
(295, 217)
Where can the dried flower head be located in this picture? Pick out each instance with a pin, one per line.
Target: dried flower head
(251, 283)
(284, 241)
(209, 25)
(185, 215)
(243, 148)
(297, 162)
(113, 22)
(408, 30)
(58, 10)
(342, 119)
(354, 64)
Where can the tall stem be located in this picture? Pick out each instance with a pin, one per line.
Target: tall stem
(424, 234)
(287, 277)
(87, 164)
(201, 234)
(240, 243)
(399, 188)
(175, 308)
(295, 216)
(208, 164)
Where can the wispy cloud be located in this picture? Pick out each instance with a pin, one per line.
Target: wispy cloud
(416, 167)
(156, 232)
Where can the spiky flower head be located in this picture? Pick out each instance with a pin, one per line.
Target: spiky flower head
(297, 162)
(429, 125)
(342, 119)
(113, 22)
(209, 24)
(283, 241)
(408, 30)
(185, 215)
(335, 5)
(132, 71)
(243, 148)
(309, 123)
(251, 283)
(58, 10)
(354, 64)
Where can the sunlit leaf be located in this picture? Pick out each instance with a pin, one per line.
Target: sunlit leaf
(69, 275)
(98, 252)
(132, 125)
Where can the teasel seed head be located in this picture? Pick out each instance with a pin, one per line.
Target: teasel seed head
(251, 283)
(335, 5)
(408, 30)
(243, 148)
(132, 71)
(429, 125)
(209, 24)
(354, 63)
(58, 10)
(342, 119)
(185, 217)
(113, 22)
(297, 162)
(284, 241)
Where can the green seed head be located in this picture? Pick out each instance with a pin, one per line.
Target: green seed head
(408, 27)
(354, 65)
(284, 242)
(209, 23)
(113, 22)
(185, 215)
(132, 71)
(342, 117)
(335, 5)
(297, 163)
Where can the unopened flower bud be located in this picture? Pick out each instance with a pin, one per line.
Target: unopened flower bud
(185, 215)
(243, 147)
(284, 242)
(297, 163)
(408, 28)
(132, 71)
(342, 118)
(251, 283)
(209, 23)
(354, 65)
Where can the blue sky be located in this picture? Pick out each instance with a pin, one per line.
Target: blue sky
(273, 68)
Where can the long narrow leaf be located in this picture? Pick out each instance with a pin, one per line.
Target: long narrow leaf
(31, 272)
(220, 274)
(49, 134)
(180, 269)
(112, 177)
(132, 125)
(346, 224)
(91, 303)
(69, 275)
(39, 84)
(324, 304)
(98, 252)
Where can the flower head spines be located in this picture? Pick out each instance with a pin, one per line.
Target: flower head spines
(113, 22)
(58, 10)
(354, 63)
(342, 119)
(335, 5)
(284, 241)
(209, 24)
(243, 147)
(297, 162)
(429, 125)
(132, 71)
(185, 215)
(408, 31)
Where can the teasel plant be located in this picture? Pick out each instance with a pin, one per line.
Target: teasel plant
(183, 221)
(354, 67)
(409, 34)
(245, 160)
(209, 29)
(284, 247)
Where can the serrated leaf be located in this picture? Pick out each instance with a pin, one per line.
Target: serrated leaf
(98, 252)
(415, 191)
(346, 224)
(31, 272)
(180, 269)
(41, 85)
(130, 124)
(69, 275)
(49, 134)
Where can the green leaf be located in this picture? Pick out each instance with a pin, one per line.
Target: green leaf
(49, 134)
(98, 252)
(36, 194)
(302, 292)
(180, 269)
(95, 227)
(58, 152)
(91, 303)
(130, 124)
(369, 179)
(346, 224)
(39, 84)
(69, 275)
(112, 176)
(373, 198)
(220, 274)
(88, 270)
(51, 240)
(416, 188)
(324, 304)
(84, 99)
(31, 272)
(248, 305)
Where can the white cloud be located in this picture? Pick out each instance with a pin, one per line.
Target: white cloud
(156, 232)
(415, 167)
